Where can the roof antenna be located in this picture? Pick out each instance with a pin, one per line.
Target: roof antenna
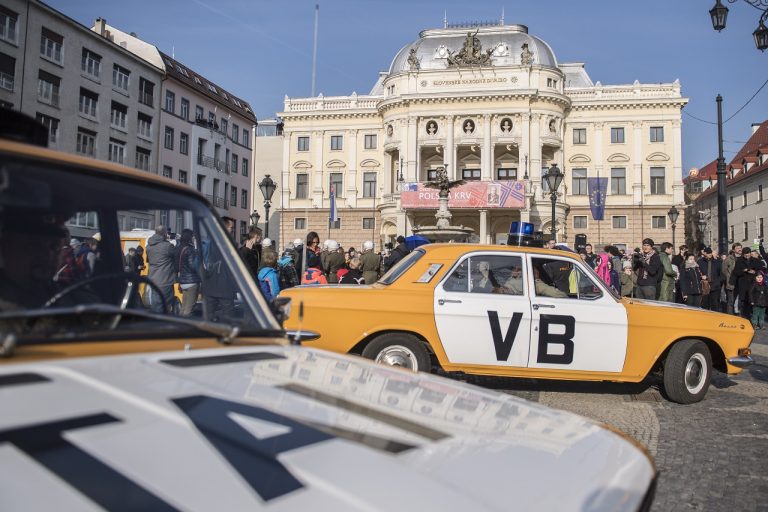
(445, 18)
(173, 52)
(502, 17)
(314, 51)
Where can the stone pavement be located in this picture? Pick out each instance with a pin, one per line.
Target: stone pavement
(712, 456)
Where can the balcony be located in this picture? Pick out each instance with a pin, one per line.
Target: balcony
(218, 202)
(212, 163)
(6, 81)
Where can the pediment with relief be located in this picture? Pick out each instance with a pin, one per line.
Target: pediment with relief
(579, 159)
(657, 157)
(302, 165)
(618, 157)
(370, 163)
(335, 164)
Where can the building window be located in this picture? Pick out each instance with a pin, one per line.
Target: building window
(86, 142)
(617, 135)
(369, 184)
(300, 223)
(168, 137)
(730, 204)
(117, 115)
(544, 182)
(234, 163)
(183, 143)
(142, 159)
(336, 183)
(579, 184)
(183, 177)
(116, 151)
(619, 221)
(731, 232)
(51, 44)
(7, 71)
(146, 92)
(199, 113)
(746, 230)
(184, 108)
(48, 88)
(167, 171)
(579, 222)
(120, 77)
(235, 133)
(245, 167)
(91, 63)
(302, 186)
(506, 173)
(744, 199)
(370, 142)
(337, 142)
(8, 20)
(760, 228)
(336, 224)
(431, 174)
(618, 181)
(759, 193)
(233, 196)
(657, 180)
(244, 199)
(369, 222)
(470, 174)
(657, 134)
(224, 126)
(170, 101)
(658, 221)
(145, 126)
(52, 124)
(303, 144)
(579, 135)
(88, 102)
(246, 138)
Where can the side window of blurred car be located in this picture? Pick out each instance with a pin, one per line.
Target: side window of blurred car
(497, 274)
(563, 279)
(458, 281)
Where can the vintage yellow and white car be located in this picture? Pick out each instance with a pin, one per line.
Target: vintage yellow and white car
(521, 312)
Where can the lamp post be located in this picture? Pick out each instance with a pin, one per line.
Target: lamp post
(719, 15)
(701, 225)
(267, 186)
(255, 219)
(722, 207)
(673, 214)
(554, 178)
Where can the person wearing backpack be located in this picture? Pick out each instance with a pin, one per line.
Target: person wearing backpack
(286, 271)
(85, 259)
(268, 278)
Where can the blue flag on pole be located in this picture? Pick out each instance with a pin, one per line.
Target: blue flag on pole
(333, 215)
(597, 188)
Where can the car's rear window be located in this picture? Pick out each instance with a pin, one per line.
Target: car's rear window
(401, 267)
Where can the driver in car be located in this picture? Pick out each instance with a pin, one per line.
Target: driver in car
(30, 243)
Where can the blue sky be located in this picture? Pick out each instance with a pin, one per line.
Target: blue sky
(261, 50)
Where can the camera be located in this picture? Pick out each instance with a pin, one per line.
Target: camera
(388, 246)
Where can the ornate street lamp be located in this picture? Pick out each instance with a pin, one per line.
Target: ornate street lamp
(673, 214)
(255, 219)
(267, 186)
(719, 14)
(554, 178)
(701, 225)
(761, 34)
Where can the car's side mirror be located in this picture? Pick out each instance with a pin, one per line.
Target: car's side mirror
(298, 337)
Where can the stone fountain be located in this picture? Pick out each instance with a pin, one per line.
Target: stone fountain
(443, 231)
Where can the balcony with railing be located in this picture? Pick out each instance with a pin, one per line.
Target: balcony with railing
(218, 202)
(212, 163)
(6, 81)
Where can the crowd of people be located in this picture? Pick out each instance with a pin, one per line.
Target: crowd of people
(733, 283)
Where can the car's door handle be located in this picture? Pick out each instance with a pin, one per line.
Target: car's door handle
(451, 301)
(537, 306)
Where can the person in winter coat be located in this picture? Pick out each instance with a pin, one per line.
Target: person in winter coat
(759, 299)
(333, 262)
(354, 275)
(161, 260)
(667, 285)
(370, 263)
(744, 273)
(628, 279)
(397, 253)
(250, 251)
(189, 275)
(711, 270)
(602, 270)
(313, 274)
(615, 280)
(286, 270)
(690, 282)
(268, 279)
(727, 270)
(648, 266)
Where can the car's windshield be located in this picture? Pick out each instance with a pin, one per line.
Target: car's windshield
(401, 266)
(69, 237)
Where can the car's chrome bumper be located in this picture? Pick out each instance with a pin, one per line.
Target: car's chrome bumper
(741, 361)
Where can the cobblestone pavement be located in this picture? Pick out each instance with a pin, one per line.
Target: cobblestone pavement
(712, 455)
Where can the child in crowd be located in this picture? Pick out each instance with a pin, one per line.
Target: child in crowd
(759, 298)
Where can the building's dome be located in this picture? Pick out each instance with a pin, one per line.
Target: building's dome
(433, 47)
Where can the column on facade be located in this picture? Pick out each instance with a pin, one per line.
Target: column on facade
(637, 163)
(286, 173)
(535, 145)
(449, 151)
(483, 226)
(389, 175)
(487, 152)
(597, 137)
(351, 192)
(317, 187)
(677, 167)
(412, 174)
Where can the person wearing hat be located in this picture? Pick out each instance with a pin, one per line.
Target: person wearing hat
(333, 262)
(728, 278)
(744, 272)
(370, 263)
(711, 270)
(397, 253)
(648, 271)
(628, 279)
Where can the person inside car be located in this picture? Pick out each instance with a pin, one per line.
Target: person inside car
(545, 290)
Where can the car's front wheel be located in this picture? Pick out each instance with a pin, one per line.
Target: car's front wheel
(399, 349)
(687, 371)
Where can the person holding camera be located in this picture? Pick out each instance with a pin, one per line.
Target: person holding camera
(647, 264)
(690, 282)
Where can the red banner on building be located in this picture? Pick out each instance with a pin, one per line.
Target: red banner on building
(474, 194)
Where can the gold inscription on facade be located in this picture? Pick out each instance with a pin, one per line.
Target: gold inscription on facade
(473, 81)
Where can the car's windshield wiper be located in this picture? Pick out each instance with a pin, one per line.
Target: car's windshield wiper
(225, 333)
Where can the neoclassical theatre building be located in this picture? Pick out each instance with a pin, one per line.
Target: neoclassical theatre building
(492, 105)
